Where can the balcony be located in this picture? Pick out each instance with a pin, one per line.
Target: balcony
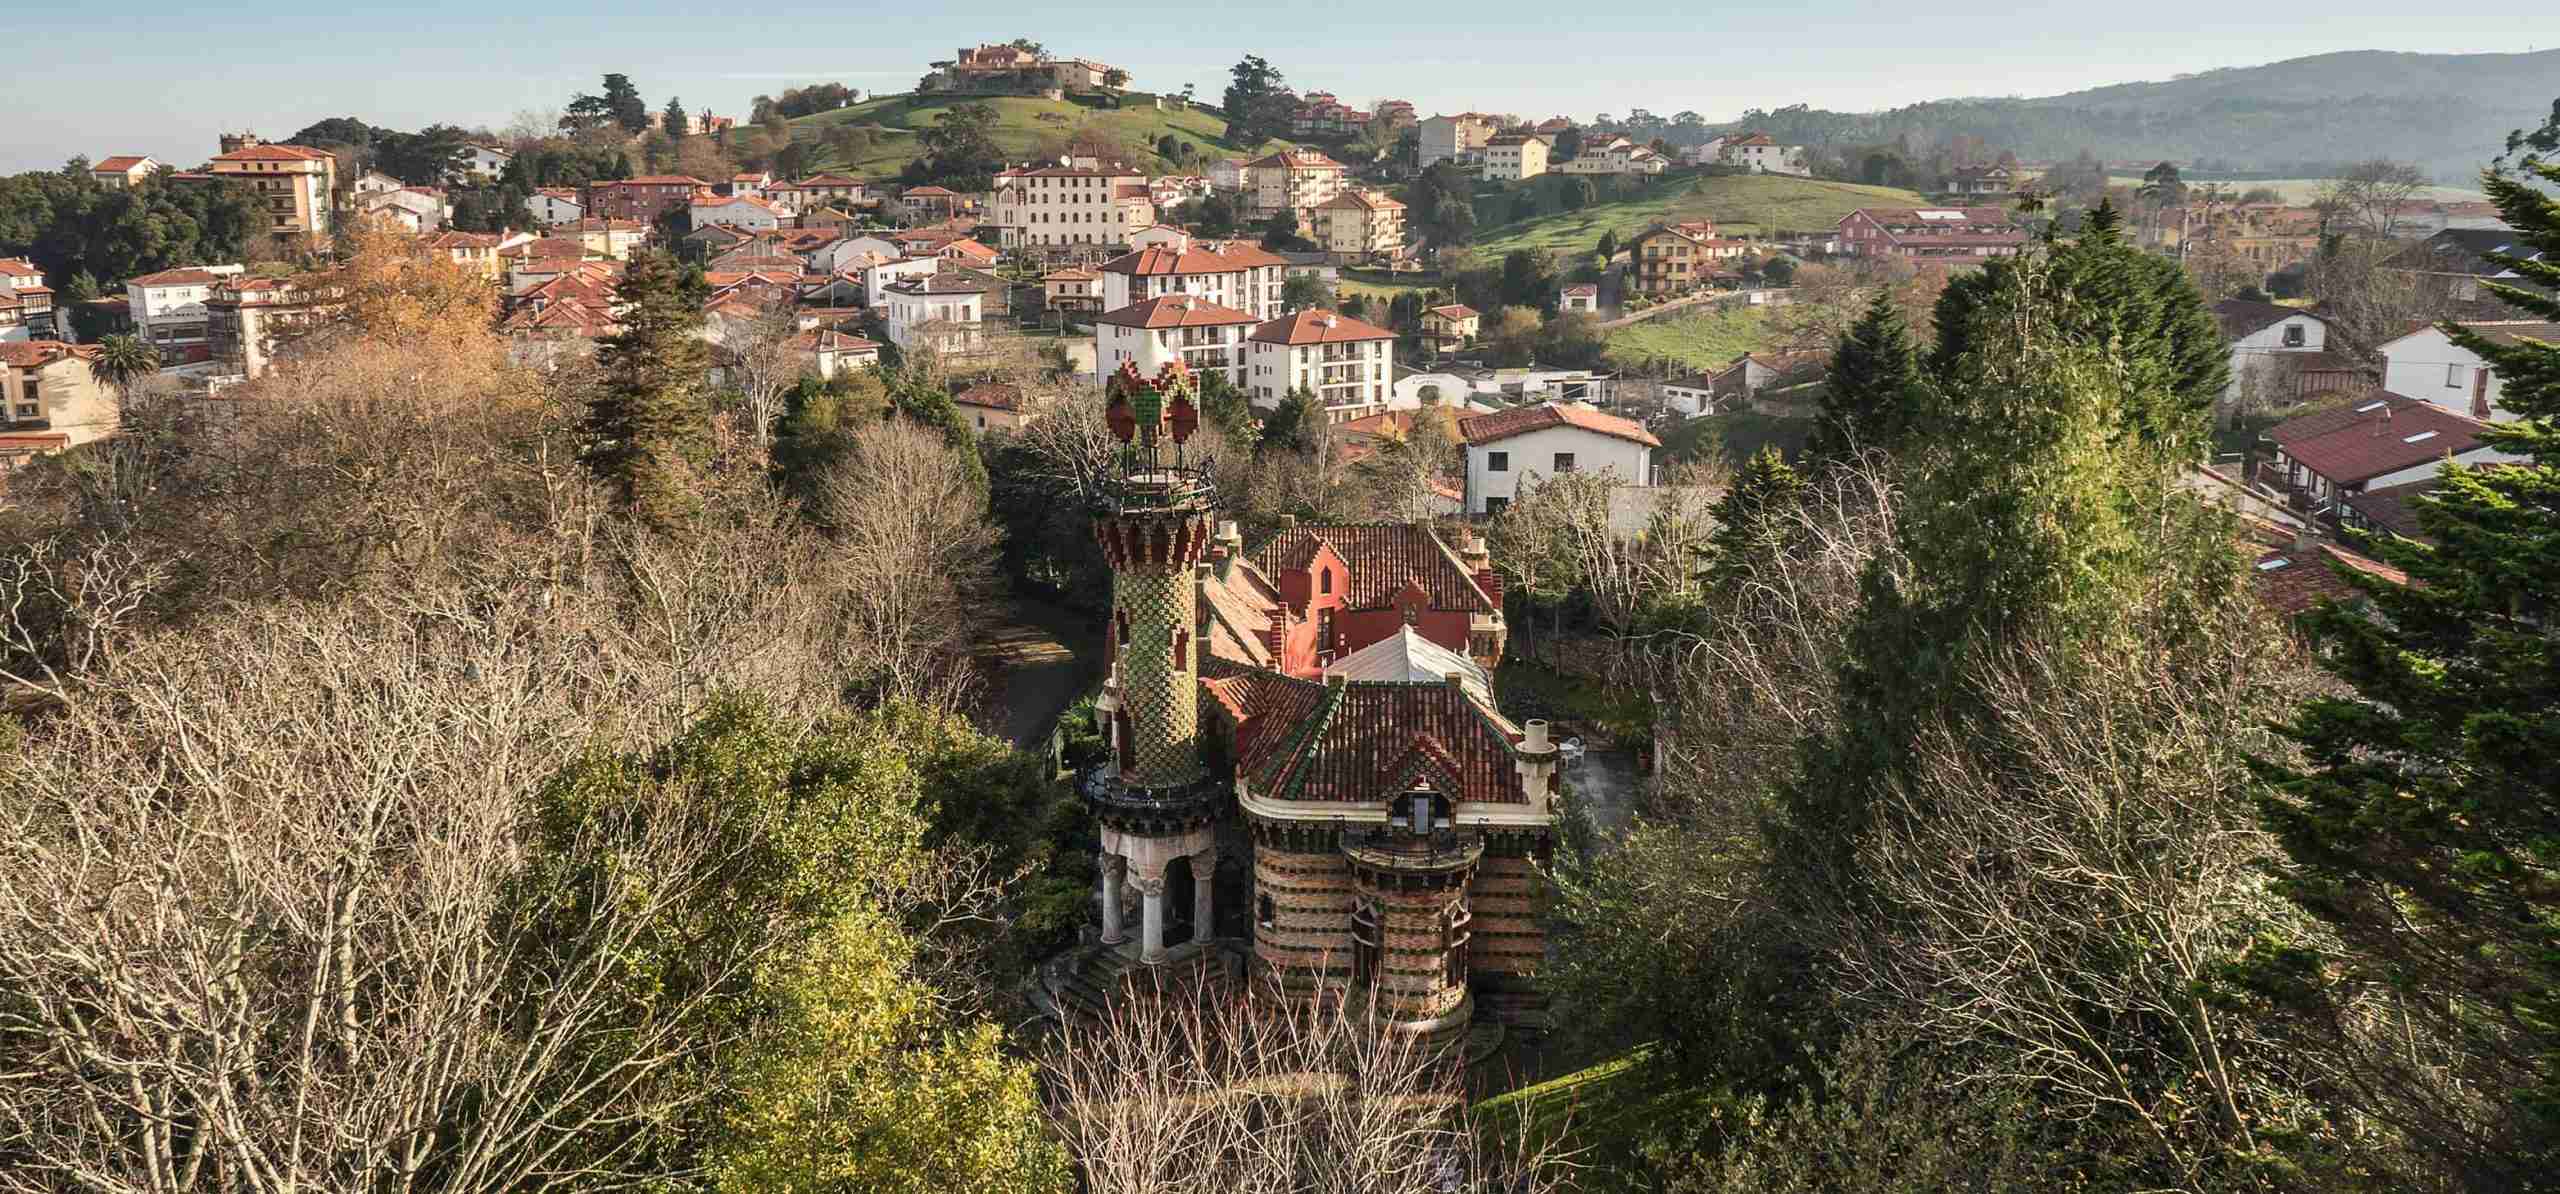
(1390, 849)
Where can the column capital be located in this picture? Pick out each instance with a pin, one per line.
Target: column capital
(1147, 884)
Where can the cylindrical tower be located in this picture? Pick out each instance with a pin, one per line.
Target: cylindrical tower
(1156, 801)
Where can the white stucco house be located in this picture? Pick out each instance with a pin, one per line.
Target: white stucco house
(486, 162)
(2426, 364)
(1206, 337)
(555, 205)
(942, 312)
(1507, 448)
(745, 213)
(2278, 348)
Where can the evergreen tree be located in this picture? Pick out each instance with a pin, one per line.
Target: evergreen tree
(1608, 244)
(2097, 290)
(1866, 404)
(622, 102)
(675, 120)
(2425, 819)
(647, 424)
(1751, 520)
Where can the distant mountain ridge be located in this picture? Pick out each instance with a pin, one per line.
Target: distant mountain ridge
(2449, 113)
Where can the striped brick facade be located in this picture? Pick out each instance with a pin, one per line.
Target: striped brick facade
(1307, 944)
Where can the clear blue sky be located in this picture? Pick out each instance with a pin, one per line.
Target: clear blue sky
(164, 76)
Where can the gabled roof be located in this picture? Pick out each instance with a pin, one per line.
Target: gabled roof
(991, 395)
(2375, 437)
(1199, 257)
(1406, 655)
(2389, 509)
(1521, 420)
(36, 354)
(2291, 576)
(2463, 251)
(1381, 561)
(2241, 318)
(1454, 311)
(936, 283)
(119, 164)
(1366, 740)
(1174, 311)
(185, 276)
(271, 153)
(1298, 159)
(1315, 325)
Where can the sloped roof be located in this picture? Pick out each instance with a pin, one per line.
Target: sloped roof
(992, 395)
(2240, 317)
(1407, 656)
(35, 354)
(1315, 325)
(2291, 577)
(1362, 740)
(1521, 420)
(1381, 560)
(2382, 435)
(182, 276)
(1238, 605)
(2388, 507)
(1174, 311)
(118, 164)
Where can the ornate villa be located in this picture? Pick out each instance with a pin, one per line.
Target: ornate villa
(1309, 777)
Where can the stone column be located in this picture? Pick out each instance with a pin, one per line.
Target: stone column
(1112, 865)
(1151, 921)
(1204, 870)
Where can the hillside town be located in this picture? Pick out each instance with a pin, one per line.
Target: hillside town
(938, 617)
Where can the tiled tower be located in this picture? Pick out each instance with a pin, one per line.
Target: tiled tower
(1158, 805)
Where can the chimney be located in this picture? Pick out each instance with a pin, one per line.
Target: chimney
(1536, 764)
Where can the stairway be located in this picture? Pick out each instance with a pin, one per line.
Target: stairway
(1086, 979)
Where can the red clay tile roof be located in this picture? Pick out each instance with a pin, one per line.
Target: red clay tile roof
(1381, 561)
(19, 267)
(992, 395)
(33, 354)
(271, 153)
(2291, 579)
(1299, 159)
(1315, 325)
(1174, 311)
(1582, 289)
(1200, 257)
(928, 191)
(1455, 311)
(970, 248)
(1520, 420)
(1362, 740)
(184, 276)
(119, 164)
(654, 180)
(2381, 435)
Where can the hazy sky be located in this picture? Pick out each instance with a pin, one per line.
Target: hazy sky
(164, 76)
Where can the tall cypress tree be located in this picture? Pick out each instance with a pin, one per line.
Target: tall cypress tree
(648, 424)
(2102, 290)
(1751, 521)
(1866, 402)
(2426, 817)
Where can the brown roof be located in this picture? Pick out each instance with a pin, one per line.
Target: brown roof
(929, 191)
(1069, 274)
(1200, 257)
(184, 276)
(970, 248)
(2291, 577)
(654, 180)
(2381, 435)
(270, 153)
(1580, 289)
(1174, 311)
(32, 354)
(119, 164)
(1520, 420)
(993, 396)
(941, 283)
(2388, 507)
(1362, 199)
(1315, 325)
(1305, 740)
(1381, 561)
(1455, 311)
(2240, 317)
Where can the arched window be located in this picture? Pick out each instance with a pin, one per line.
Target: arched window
(1324, 579)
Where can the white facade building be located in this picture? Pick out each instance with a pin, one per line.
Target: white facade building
(2261, 334)
(1068, 205)
(878, 278)
(743, 212)
(937, 312)
(2427, 365)
(168, 307)
(555, 205)
(1203, 335)
(1349, 365)
(1508, 447)
(1229, 273)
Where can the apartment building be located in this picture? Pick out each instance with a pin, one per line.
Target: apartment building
(1453, 137)
(1348, 364)
(26, 303)
(1360, 225)
(1233, 274)
(1513, 157)
(168, 309)
(1931, 233)
(247, 319)
(644, 198)
(1299, 180)
(1069, 205)
(1675, 258)
(942, 312)
(295, 185)
(1204, 336)
(1761, 154)
(49, 401)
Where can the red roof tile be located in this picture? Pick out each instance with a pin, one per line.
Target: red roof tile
(1381, 561)
(2379, 436)
(119, 164)
(1520, 420)
(1357, 740)
(1174, 311)
(186, 276)
(1315, 325)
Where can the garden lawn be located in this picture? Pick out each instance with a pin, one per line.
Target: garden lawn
(1741, 204)
(1696, 343)
(1021, 122)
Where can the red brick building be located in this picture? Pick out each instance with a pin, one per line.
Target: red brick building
(1926, 234)
(644, 198)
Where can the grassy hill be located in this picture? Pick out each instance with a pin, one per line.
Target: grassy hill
(1021, 122)
(1695, 342)
(1752, 204)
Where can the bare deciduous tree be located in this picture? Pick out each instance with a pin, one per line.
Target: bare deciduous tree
(1248, 1090)
(762, 360)
(913, 551)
